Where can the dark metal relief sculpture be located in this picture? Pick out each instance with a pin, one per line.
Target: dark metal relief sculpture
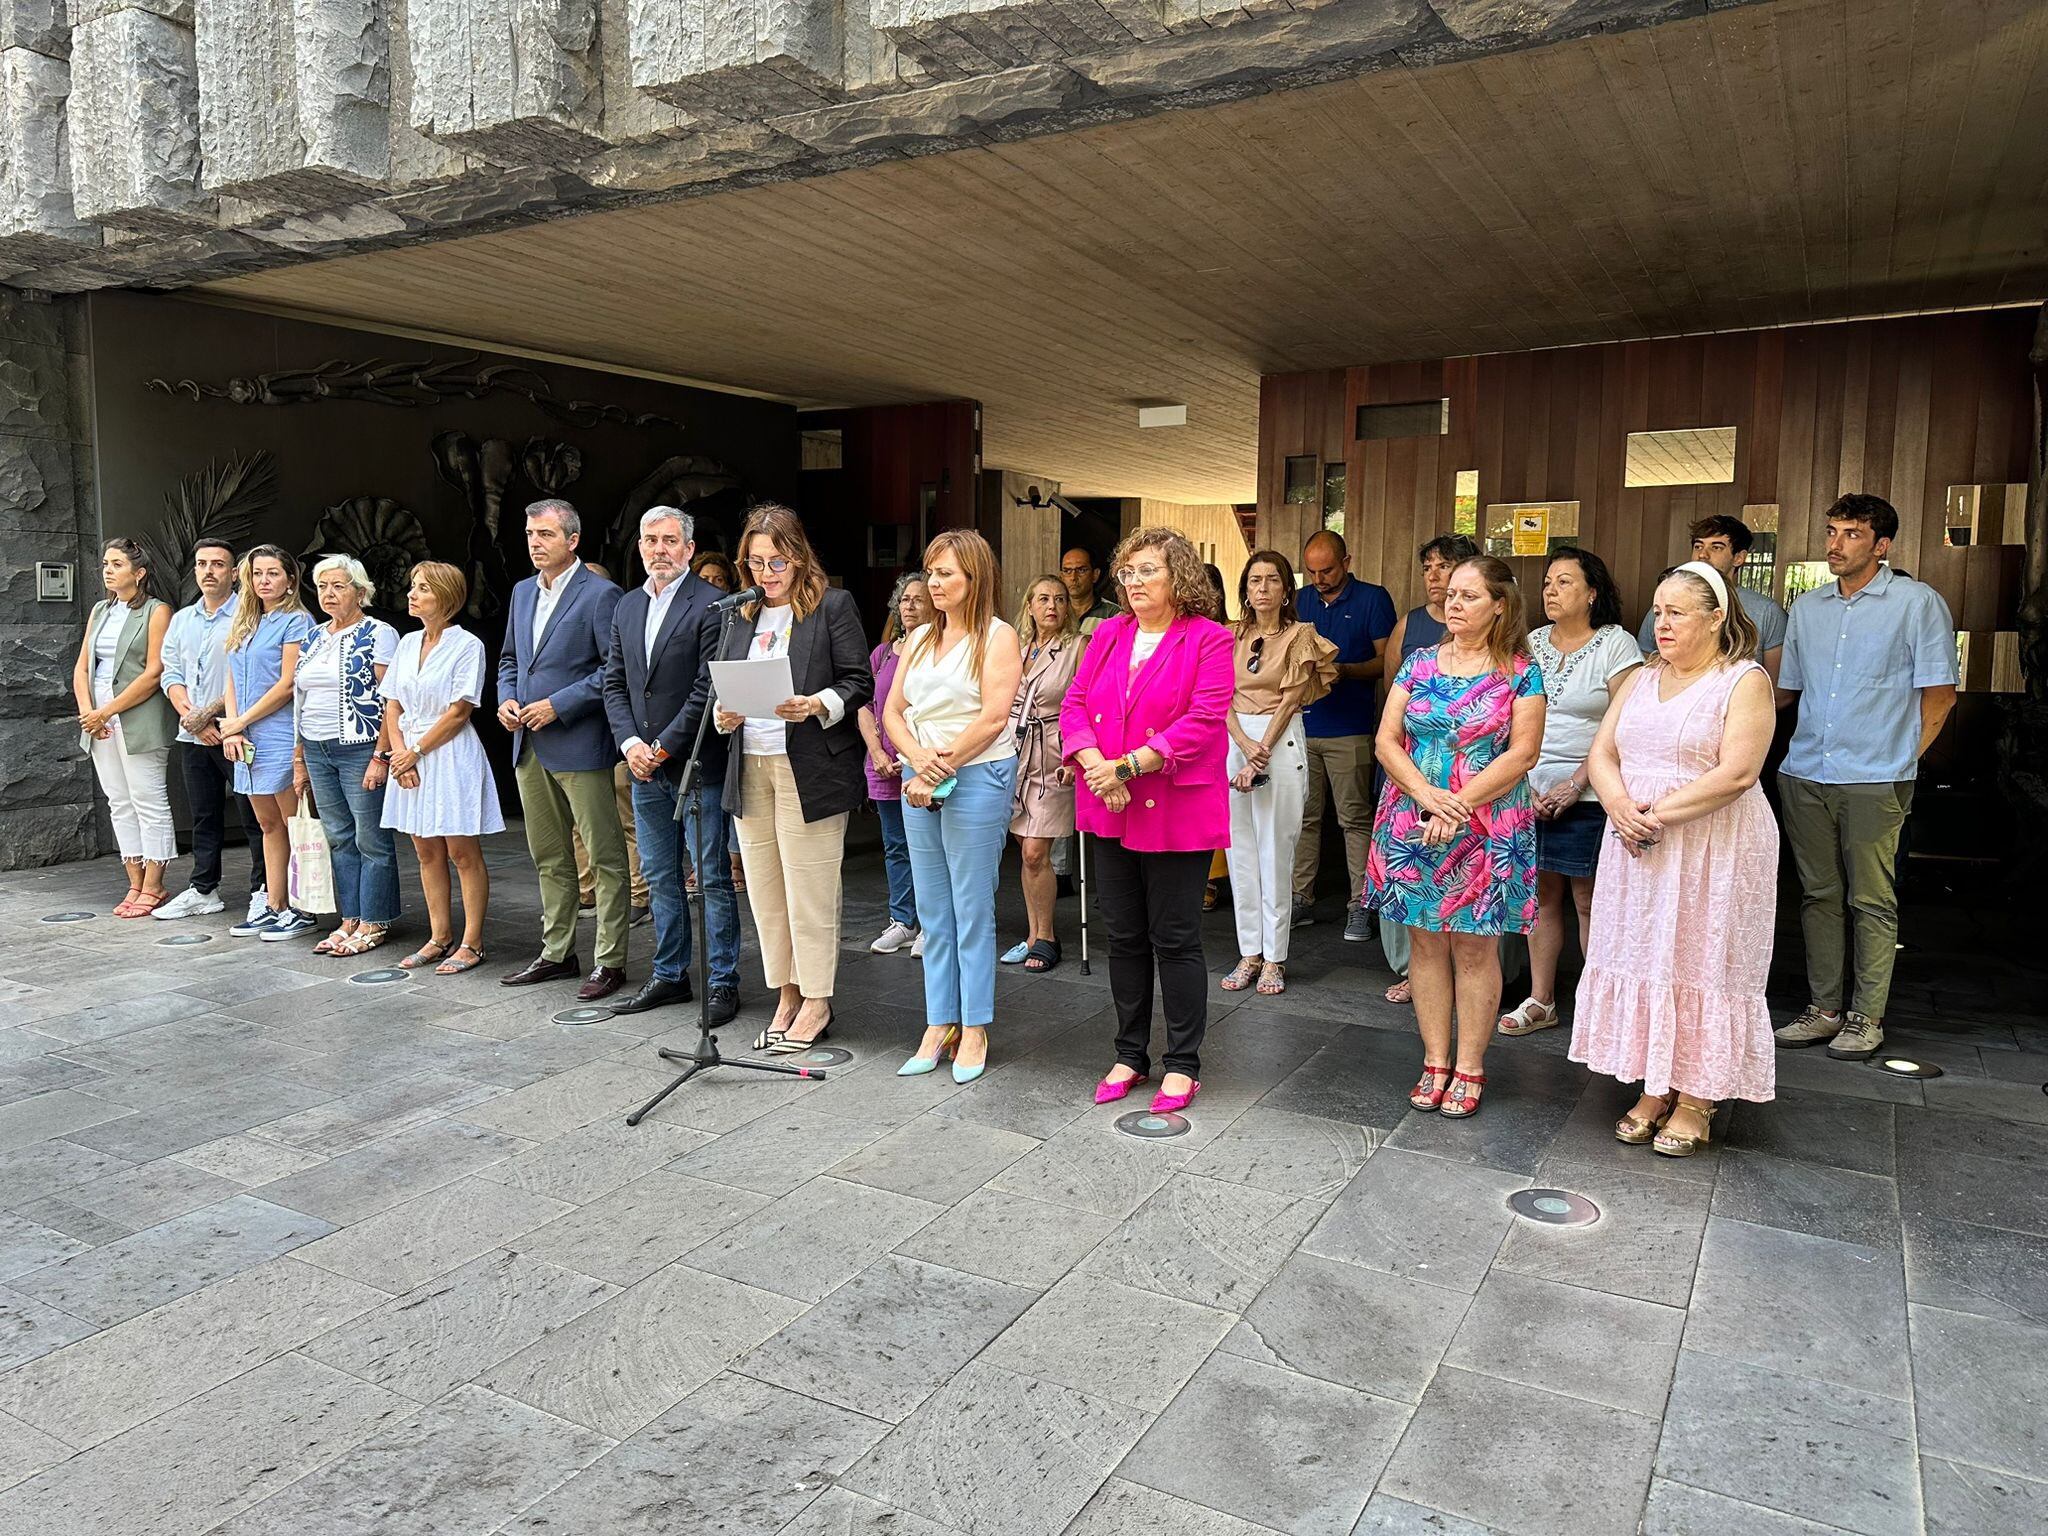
(481, 471)
(686, 480)
(551, 466)
(386, 537)
(221, 501)
(424, 382)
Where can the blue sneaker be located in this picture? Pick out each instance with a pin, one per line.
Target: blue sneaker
(288, 924)
(256, 925)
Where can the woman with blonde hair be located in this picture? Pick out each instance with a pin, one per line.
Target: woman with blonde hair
(910, 606)
(125, 723)
(796, 779)
(1044, 808)
(441, 792)
(1453, 855)
(1686, 902)
(949, 712)
(264, 638)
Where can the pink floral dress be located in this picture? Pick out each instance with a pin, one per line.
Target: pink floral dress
(1484, 880)
(1673, 991)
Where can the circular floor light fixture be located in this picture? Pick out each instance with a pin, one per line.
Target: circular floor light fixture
(70, 917)
(383, 976)
(1554, 1207)
(181, 940)
(1906, 1066)
(582, 1016)
(1150, 1127)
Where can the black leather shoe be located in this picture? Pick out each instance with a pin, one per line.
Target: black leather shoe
(656, 994)
(725, 1004)
(544, 969)
(600, 984)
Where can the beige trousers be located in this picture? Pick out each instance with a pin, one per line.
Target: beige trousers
(792, 878)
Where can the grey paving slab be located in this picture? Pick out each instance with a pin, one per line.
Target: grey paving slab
(875, 1092)
(1237, 1439)
(837, 1512)
(2020, 1102)
(1612, 1350)
(1386, 1515)
(1205, 1241)
(1528, 1097)
(92, 1390)
(780, 1149)
(1036, 1095)
(45, 1168)
(1093, 1170)
(247, 1160)
(1287, 1154)
(1814, 1072)
(103, 1021)
(1421, 1217)
(593, 1160)
(1009, 1237)
(458, 1327)
(1587, 1139)
(758, 1456)
(224, 980)
(1132, 1346)
(1812, 1127)
(60, 1214)
(229, 1448)
(636, 1229)
(465, 1464)
(1646, 1243)
(344, 1124)
(151, 1192)
(30, 1329)
(532, 1058)
(27, 1245)
(408, 1245)
(1986, 1270)
(999, 1454)
(635, 1355)
(25, 1451)
(1131, 1509)
(235, 1107)
(569, 1100)
(375, 1178)
(1963, 1500)
(1362, 1078)
(1800, 1447)
(1358, 1327)
(1524, 1460)
(807, 1244)
(1929, 1139)
(720, 1101)
(1802, 1306)
(1977, 1385)
(128, 1277)
(1805, 1197)
(59, 1113)
(1961, 1186)
(888, 1338)
(934, 1158)
(1676, 1510)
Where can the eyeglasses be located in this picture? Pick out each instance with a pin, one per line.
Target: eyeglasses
(1258, 654)
(1131, 575)
(777, 565)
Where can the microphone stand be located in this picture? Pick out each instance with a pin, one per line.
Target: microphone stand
(706, 1056)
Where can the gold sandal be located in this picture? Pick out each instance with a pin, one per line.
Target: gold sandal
(1673, 1145)
(1635, 1130)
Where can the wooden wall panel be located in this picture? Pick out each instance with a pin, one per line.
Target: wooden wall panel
(1902, 408)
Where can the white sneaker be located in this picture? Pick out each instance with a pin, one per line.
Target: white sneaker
(894, 937)
(259, 903)
(918, 948)
(190, 902)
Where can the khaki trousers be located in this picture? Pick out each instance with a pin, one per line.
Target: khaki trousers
(559, 807)
(792, 878)
(586, 884)
(1845, 844)
(1344, 764)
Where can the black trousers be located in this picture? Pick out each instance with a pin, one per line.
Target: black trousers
(1151, 903)
(209, 786)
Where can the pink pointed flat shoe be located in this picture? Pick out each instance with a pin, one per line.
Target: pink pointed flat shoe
(1174, 1103)
(1107, 1092)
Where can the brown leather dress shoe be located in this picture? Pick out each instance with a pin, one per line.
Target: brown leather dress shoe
(543, 969)
(600, 983)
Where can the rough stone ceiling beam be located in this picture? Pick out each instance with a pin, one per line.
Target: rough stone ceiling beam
(37, 220)
(134, 117)
(515, 81)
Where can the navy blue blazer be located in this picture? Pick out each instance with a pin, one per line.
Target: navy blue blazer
(663, 700)
(567, 669)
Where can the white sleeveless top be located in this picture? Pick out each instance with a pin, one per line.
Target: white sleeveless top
(942, 697)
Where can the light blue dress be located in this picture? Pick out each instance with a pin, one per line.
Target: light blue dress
(255, 666)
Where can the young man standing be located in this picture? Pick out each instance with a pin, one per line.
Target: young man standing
(1872, 656)
(1356, 617)
(195, 673)
(1722, 541)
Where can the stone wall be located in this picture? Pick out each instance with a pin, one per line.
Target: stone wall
(155, 142)
(46, 513)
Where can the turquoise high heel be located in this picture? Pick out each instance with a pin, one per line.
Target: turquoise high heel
(917, 1066)
(967, 1074)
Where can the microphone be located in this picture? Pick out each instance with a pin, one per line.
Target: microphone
(739, 599)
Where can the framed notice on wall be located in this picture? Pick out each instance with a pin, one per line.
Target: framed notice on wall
(1532, 531)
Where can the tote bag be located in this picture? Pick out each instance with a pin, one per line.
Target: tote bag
(312, 876)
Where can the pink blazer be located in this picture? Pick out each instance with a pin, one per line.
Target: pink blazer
(1175, 705)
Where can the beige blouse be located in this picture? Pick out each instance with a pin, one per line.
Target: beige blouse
(1290, 659)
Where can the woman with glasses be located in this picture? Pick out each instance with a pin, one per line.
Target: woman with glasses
(949, 712)
(797, 777)
(1044, 812)
(1143, 724)
(1282, 666)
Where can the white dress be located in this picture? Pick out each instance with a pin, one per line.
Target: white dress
(456, 796)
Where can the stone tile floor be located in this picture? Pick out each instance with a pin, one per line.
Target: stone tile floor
(281, 1254)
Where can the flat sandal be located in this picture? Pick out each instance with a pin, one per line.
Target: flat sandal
(1459, 1102)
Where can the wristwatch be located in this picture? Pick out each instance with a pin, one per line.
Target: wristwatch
(1127, 767)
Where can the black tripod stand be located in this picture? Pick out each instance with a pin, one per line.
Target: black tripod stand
(706, 1056)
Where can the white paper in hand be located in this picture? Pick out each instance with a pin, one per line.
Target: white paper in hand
(752, 688)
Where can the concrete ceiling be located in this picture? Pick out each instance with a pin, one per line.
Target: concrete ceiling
(1791, 161)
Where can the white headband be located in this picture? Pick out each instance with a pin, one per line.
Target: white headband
(1710, 576)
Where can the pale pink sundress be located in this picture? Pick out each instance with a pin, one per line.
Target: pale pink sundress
(1680, 947)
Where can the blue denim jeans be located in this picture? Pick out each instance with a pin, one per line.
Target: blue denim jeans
(662, 844)
(955, 851)
(896, 863)
(358, 842)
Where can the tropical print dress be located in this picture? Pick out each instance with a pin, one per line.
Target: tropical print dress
(1484, 880)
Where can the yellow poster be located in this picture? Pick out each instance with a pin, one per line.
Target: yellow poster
(1532, 530)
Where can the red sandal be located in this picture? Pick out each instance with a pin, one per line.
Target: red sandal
(1427, 1095)
(1462, 1102)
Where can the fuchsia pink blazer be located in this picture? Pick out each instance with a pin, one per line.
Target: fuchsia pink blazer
(1175, 705)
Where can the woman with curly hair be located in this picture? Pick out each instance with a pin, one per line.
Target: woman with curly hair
(1143, 725)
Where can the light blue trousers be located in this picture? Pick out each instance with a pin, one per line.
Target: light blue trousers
(956, 849)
